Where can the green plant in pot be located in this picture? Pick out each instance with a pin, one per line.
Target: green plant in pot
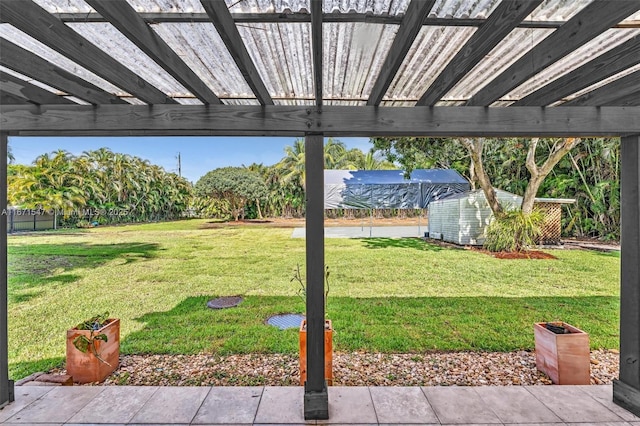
(93, 349)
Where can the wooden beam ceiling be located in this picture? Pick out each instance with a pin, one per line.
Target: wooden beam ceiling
(331, 120)
(604, 66)
(223, 21)
(33, 66)
(316, 49)
(31, 93)
(411, 24)
(41, 25)
(122, 16)
(10, 98)
(499, 24)
(610, 93)
(590, 22)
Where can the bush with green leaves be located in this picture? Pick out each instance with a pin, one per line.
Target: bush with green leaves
(237, 185)
(514, 231)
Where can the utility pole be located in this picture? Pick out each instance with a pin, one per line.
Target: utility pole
(179, 166)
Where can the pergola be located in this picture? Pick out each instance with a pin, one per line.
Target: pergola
(317, 68)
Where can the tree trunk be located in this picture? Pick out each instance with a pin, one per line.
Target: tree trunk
(475, 146)
(538, 174)
(258, 207)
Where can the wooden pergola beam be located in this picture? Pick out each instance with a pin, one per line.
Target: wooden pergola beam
(604, 66)
(499, 24)
(331, 120)
(44, 27)
(32, 65)
(29, 92)
(610, 93)
(221, 18)
(316, 49)
(406, 35)
(6, 385)
(590, 22)
(122, 16)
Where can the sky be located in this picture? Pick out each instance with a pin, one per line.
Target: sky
(198, 154)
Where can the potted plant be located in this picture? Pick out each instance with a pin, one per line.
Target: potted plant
(302, 335)
(93, 349)
(562, 353)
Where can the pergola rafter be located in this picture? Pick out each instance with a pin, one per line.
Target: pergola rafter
(593, 20)
(222, 20)
(36, 22)
(122, 16)
(432, 85)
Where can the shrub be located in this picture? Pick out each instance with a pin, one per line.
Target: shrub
(514, 231)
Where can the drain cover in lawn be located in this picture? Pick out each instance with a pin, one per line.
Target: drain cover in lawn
(284, 321)
(224, 302)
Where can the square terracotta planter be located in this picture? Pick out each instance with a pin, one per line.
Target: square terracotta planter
(328, 352)
(85, 367)
(563, 357)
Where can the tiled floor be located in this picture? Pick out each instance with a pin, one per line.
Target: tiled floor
(531, 405)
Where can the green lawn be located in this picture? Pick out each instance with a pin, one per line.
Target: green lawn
(386, 295)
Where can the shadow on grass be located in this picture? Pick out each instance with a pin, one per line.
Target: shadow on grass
(404, 243)
(19, 370)
(374, 324)
(32, 266)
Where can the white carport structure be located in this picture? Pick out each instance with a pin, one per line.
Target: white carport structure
(317, 68)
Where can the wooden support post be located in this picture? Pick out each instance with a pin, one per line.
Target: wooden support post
(626, 390)
(6, 386)
(316, 401)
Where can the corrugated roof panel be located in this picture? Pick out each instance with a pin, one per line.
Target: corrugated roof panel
(353, 56)
(167, 6)
(241, 102)
(386, 103)
(294, 102)
(430, 53)
(557, 10)
(134, 101)
(634, 17)
(31, 81)
(509, 50)
(268, 6)
(376, 7)
(201, 48)
(76, 100)
(282, 55)
(599, 45)
(189, 101)
(602, 83)
(64, 6)
(32, 45)
(463, 8)
(344, 102)
(115, 44)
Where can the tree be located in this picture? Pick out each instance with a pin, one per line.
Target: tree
(10, 156)
(409, 151)
(237, 185)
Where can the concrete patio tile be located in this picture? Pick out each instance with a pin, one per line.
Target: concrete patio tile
(349, 405)
(60, 404)
(536, 424)
(572, 405)
(229, 405)
(402, 405)
(516, 405)
(281, 405)
(25, 395)
(171, 405)
(459, 405)
(116, 404)
(604, 395)
(602, 424)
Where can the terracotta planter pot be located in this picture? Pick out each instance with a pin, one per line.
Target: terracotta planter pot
(85, 367)
(563, 357)
(328, 352)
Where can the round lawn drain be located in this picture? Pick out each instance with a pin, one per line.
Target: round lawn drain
(284, 321)
(224, 302)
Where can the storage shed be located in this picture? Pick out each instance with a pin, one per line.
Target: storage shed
(462, 218)
(389, 189)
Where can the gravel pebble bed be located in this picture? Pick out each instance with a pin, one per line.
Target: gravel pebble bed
(350, 369)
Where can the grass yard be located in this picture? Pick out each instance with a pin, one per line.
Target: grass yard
(386, 295)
